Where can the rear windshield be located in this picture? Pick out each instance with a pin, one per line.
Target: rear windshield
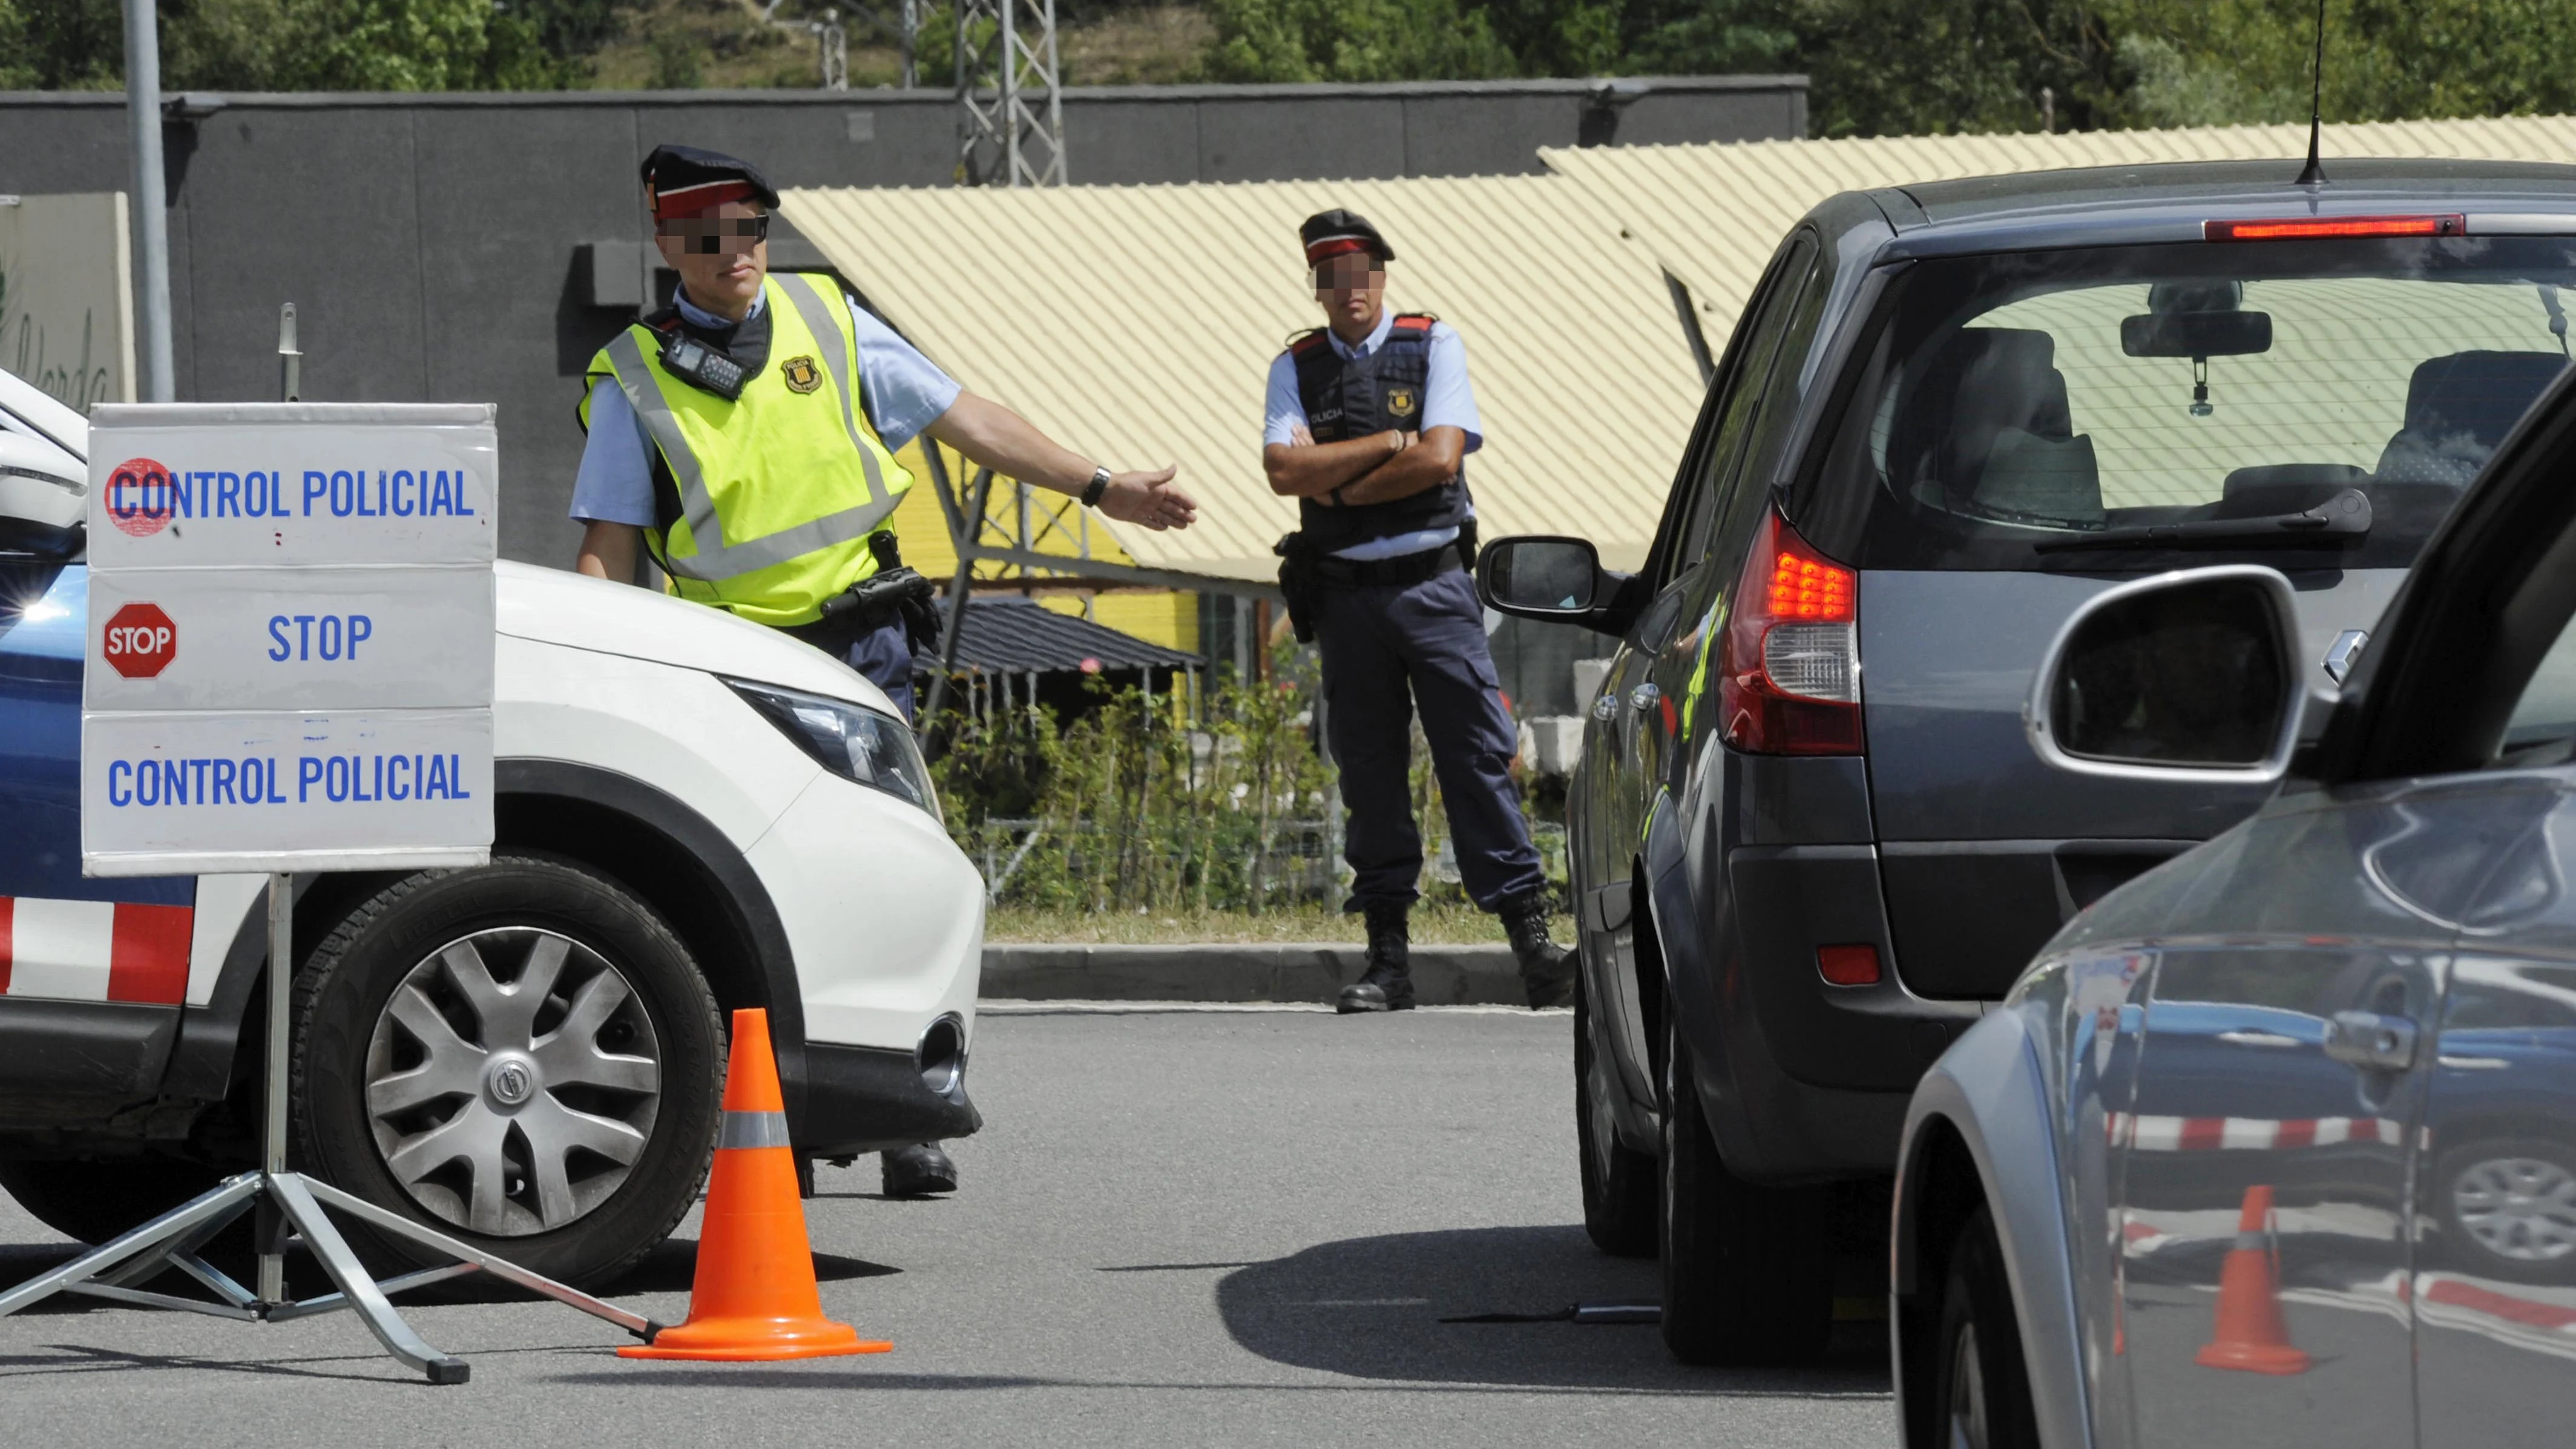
(2038, 410)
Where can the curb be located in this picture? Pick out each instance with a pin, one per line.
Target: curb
(1442, 975)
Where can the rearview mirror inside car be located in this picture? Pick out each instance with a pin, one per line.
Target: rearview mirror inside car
(2196, 334)
(1536, 576)
(2186, 676)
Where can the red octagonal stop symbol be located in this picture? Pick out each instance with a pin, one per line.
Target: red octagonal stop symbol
(141, 641)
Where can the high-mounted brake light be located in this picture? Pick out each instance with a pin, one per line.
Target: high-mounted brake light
(1789, 669)
(2303, 228)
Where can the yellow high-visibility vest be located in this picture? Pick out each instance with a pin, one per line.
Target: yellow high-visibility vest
(779, 488)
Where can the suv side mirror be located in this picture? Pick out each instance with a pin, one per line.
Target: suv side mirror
(2190, 676)
(1552, 579)
(1539, 577)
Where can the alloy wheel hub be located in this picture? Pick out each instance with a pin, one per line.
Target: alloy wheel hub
(512, 1081)
(2518, 1208)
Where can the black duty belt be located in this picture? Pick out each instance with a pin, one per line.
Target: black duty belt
(1402, 571)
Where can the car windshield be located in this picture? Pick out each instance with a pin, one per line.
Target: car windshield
(2047, 410)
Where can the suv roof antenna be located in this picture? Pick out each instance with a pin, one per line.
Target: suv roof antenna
(2315, 174)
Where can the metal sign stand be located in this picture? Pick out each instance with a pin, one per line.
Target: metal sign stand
(292, 1202)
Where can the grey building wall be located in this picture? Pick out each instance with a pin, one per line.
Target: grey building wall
(437, 247)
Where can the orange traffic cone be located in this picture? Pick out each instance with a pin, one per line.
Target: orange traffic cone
(2250, 1333)
(755, 1296)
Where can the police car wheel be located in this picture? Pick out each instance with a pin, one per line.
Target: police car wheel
(521, 1055)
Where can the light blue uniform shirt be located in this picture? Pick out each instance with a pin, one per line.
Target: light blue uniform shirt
(1448, 401)
(902, 391)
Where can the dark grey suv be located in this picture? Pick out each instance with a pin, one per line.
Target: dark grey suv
(1810, 843)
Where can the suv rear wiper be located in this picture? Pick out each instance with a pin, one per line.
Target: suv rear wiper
(2345, 515)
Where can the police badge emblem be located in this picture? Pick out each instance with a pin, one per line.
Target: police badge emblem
(1400, 401)
(801, 374)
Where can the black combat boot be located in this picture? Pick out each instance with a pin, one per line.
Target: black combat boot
(1547, 969)
(919, 1171)
(1387, 985)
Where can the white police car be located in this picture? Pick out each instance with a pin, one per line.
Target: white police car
(693, 814)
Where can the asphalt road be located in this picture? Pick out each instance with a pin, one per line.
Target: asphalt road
(1187, 1227)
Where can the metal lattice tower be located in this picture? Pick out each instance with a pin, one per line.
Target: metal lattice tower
(1012, 132)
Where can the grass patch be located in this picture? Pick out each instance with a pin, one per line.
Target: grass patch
(1440, 925)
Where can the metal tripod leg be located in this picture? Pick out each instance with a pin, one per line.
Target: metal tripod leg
(156, 1236)
(326, 1244)
(396, 1225)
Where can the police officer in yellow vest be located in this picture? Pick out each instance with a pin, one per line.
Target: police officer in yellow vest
(746, 437)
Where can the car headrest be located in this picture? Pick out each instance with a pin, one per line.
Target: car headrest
(1980, 386)
(2002, 377)
(2480, 394)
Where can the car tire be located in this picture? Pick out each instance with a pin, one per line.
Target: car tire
(1980, 1381)
(1748, 1275)
(507, 1132)
(99, 1202)
(2507, 1208)
(1619, 1189)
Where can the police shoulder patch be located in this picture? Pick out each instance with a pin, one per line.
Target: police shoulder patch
(801, 374)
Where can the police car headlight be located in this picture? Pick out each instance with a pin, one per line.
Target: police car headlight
(851, 741)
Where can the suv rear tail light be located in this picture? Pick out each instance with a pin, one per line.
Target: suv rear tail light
(1790, 667)
(2308, 228)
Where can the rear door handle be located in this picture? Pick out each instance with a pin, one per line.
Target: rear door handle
(2368, 1040)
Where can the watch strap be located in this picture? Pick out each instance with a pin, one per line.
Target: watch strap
(1099, 485)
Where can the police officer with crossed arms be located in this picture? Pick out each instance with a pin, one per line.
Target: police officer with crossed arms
(1370, 419)
(745, 436)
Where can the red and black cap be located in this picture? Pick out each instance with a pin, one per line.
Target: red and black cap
(1332, 233)
(686, 182)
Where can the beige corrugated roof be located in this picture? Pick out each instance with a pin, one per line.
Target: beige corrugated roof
(1713, 214)
(1138, 323)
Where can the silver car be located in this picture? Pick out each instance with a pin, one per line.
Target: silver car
(2276, 1144)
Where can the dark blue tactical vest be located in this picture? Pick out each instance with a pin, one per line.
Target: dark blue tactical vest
(1347, 399)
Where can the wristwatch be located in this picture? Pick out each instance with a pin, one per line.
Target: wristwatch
(1099, 486)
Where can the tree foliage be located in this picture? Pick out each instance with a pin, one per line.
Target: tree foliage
(310, 45)
(1931, 66)
(1877, 66)
(1354, 40)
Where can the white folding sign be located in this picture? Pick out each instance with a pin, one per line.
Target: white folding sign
(333, 791)
(235, 484)
(284, 638)
(290, 637)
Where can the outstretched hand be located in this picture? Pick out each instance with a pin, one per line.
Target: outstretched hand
(1149, 499)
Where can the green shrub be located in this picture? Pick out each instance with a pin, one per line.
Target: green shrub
(1157, 806)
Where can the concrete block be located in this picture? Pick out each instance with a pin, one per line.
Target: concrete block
(1588, 676)
(1559, 738)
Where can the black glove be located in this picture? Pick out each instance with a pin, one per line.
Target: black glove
(921, 620)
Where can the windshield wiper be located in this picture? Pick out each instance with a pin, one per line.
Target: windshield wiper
(2345, 515)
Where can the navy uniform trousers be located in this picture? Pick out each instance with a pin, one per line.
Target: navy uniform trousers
(1386, 648)
(885, 657)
